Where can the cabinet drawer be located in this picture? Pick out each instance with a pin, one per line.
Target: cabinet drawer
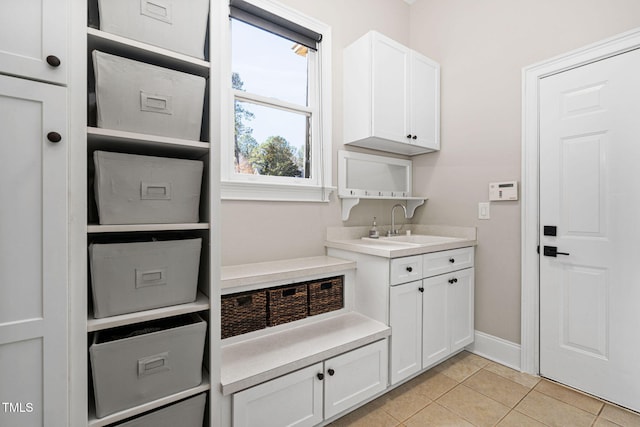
(406, 269)
(443, 262)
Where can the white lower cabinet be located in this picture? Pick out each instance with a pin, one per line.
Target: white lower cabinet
(308, 396)
(432, 318)
(447, 318)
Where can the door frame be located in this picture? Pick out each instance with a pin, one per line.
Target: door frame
(530, 196)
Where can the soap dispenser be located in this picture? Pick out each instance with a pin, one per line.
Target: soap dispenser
(373, 233)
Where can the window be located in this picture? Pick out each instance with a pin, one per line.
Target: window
(280, 94)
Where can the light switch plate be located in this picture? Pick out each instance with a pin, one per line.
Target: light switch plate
(484, 211)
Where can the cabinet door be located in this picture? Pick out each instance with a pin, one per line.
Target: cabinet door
(291, 400)
(405, 319)
(424, 95)
(33, 254)
(390, 79)
(435, 320)
(460, 304)
(30, 31)
(354, 377)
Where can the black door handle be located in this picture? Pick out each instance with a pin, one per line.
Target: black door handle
(553, 251)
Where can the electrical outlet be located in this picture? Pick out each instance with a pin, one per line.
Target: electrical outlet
(484, 211)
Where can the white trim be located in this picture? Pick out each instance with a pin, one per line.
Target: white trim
(274, 192)
(496, 349)
(531, 75)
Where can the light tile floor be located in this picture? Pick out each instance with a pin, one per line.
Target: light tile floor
(468, 390)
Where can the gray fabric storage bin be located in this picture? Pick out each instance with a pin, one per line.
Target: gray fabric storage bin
(138, 97)
(177, 25)
(129, 277)
(132, 189)
(137, 364)
(188, 413)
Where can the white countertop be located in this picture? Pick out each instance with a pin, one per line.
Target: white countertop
(350, 239)
(251, 362)
(239, 277)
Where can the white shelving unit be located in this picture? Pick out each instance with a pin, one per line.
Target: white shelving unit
(161, 146)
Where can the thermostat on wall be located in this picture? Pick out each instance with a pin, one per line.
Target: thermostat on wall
(503, 190)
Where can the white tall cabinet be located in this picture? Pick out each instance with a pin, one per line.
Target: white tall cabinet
(33, 214)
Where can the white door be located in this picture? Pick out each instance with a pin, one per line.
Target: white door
(424, 93)
(33, 39)
(435, 322)
(460, 300)
(33, 254)
(590, 191)
(354, 377)
(291, 400)
(390, 79)
(405, 319)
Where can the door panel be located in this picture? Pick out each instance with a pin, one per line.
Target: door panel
(405, 316)
(461, 302)
(435, 323)
(590, 189)
(31, 30)
(33, 254)
(425, 101)
(291, 400)
(354, 377)
(390, 79)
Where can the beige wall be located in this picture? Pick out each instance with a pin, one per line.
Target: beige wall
(264, 231)
(482, 46)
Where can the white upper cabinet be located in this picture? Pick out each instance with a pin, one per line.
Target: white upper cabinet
(391, 97)
(33, 39)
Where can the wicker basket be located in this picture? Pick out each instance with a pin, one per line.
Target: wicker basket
(287, 303)
(326, 295)
(243, 312)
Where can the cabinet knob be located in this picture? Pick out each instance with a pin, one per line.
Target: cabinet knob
(414, 137)
(409, 136)
(320, 376)
(450, 281)
(53, 61)
(409, 269)
(331, 372)
(54, 137)
(452, 260)
(421, 289)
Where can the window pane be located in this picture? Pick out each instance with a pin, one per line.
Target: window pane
(268, 65)
(270, 141)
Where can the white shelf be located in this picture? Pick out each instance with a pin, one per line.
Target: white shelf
(251, 362)
(348, 202)
(144, 52)
(117, 140)
(200, 304)
(132, 412)
(126, 228)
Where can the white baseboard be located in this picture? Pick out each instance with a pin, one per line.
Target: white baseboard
(496, 349)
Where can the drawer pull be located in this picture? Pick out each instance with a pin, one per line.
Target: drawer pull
(452, 281)
(421, 289)
(452, 260)
(409, 269)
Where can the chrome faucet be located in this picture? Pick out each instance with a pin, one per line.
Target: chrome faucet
(394, 231)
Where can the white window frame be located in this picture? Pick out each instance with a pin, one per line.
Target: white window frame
(235, 186)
